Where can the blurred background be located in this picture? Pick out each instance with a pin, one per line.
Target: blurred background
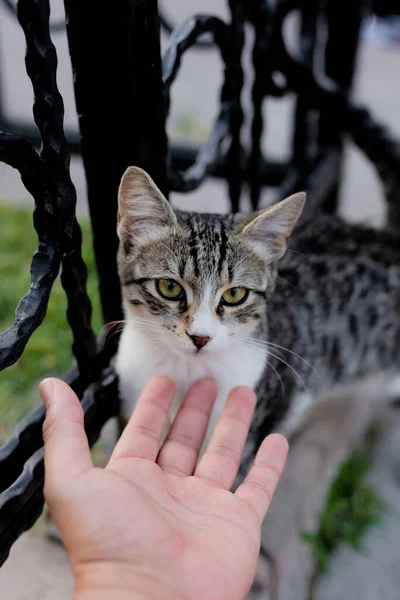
(43, 568)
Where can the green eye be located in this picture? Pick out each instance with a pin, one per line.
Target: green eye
(235, 296)
(170, 289)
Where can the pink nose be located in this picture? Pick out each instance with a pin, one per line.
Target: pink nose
(199, 341)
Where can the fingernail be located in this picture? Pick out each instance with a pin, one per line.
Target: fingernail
(46, 389)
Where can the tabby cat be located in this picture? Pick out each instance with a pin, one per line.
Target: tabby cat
(216, 295)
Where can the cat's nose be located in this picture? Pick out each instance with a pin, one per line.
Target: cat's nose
(199, 340)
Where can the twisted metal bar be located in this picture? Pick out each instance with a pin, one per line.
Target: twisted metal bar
(55, 27)
(169, 27)
(305, 130)
(181, 40)
(21, 504)
(25, 440)
(262, 18)
(48, 110)
(45, 265)
(236, 79)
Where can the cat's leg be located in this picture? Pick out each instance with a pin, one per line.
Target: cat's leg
(300, 406)
(303, 402)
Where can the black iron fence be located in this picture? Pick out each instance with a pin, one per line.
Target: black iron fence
(122, 95)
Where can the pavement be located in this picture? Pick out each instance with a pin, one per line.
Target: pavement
(37, 568)
(374, 572)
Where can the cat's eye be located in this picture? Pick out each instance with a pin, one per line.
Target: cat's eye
(235, 296)
(170, 289)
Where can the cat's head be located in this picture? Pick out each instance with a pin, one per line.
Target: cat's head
(197, 282)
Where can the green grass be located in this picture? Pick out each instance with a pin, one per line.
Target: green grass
(49, 350)
(351, 508)
(188, 127)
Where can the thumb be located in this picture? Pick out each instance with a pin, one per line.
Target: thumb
(66, 448)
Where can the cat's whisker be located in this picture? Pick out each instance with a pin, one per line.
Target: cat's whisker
(154, 342)
(147, 321)
(253, 342)
(150, 331)
(147, 324)
(149, 327)
(116, 332)
(111, 324)
(267, 343)
(291, 368)
(244, 258)
(169, 250)
(294, 354)
(112, 328)
(285, 281)
(257, 344)
(299, 253)
(144, 320)
(258, 384)
(152, 334)
(269, 364)
(123, 321)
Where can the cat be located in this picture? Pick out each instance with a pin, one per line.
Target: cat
(220, 296)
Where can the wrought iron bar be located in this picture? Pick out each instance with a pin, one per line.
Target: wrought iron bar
(48, 111)
(45, 264)
(126, 92)
(340, 61)
(236, 78)
(262, 17)
(181, 40)
(305, 120)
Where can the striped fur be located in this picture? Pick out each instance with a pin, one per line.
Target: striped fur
(330, 315)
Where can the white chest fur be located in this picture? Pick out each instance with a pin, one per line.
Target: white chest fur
(140, 358)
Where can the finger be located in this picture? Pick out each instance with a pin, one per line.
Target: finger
(260, 484)
(221, 460)
(141, 436)
(66, 448)
(181, 448)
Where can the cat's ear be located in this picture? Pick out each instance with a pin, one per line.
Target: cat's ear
(142, 207)
(270, 228)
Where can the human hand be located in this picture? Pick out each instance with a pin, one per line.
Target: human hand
(152, 524)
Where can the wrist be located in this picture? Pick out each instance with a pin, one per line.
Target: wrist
(120, 582)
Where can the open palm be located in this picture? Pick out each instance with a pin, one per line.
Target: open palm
(155, 519)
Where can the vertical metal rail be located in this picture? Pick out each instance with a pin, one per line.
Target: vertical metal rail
(261, 18)
(115, 55)
(343, 20)
(235, 153)
(305, 134)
